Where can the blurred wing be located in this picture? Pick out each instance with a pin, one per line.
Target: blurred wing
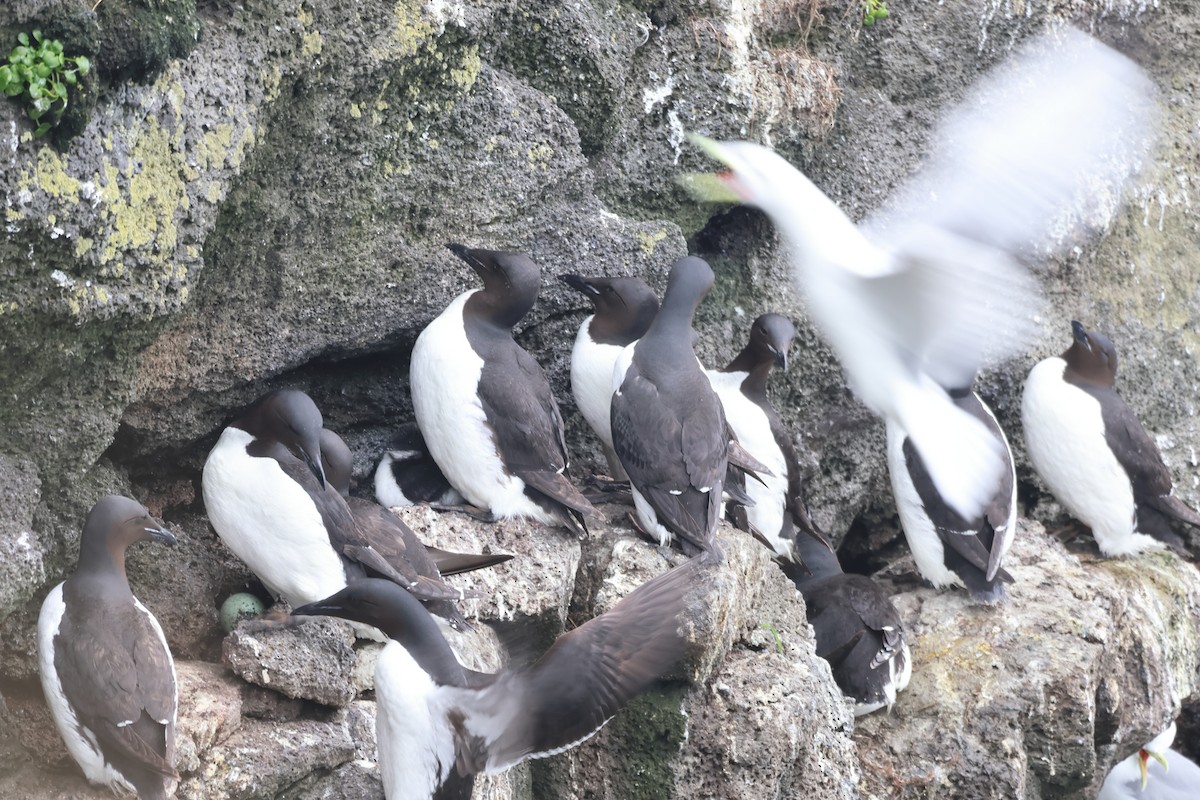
(581, 682)
(1041, 147)
(1037, 154)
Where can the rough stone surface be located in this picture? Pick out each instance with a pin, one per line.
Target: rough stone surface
(1037, 697)
(258, 195)
(309, 661)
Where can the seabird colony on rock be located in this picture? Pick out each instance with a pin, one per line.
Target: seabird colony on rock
(914, 302)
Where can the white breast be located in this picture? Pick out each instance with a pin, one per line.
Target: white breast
(444, 381)
(1064, 434)
(269, 522)
(416, 746)
(753, 430)
(591, 381)
(80, 741)
(923, 540)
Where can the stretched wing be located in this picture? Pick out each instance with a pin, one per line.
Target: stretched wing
(1038, 151)
(581, 682)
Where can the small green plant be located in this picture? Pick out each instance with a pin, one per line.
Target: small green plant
(39, 73)
(873, 11)
(775, 634)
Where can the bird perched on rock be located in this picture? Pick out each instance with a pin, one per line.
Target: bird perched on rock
(918, 297)
(1132, 779)
(267, 497)
(1093, 454)
(667, 424)
(777, 494)
(438, 723)
(625, 307)
(948, 549)
(484, 405)
(106, 670)
(396, 542)
(408, 475)
(857, 628)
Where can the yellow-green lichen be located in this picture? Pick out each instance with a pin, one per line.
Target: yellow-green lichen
(51, 176)
(539, 157)
(410, 31)
(464, 76)
(355, 111)
(311, 40)
(272, 79)
(214, 146)
(143, 214)
(650, 240)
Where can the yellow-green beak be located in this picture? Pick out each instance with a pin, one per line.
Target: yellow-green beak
(708, 186)
(1143, 757)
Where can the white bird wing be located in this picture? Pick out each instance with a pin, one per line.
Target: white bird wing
(1036, 155)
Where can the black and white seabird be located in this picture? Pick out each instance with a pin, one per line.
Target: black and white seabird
(926, 290)
(395, 541)
(438, 723)
(777, 494)
(484, 405)
(407, 474)
(625, 307)
(668, 427)
(1094, 455)
(107, 673)
(948, 549)
(857, 628)
(267, 497)
(1136, 779)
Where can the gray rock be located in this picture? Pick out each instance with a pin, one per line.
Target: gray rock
(270, 210)
(1037, 697)
(313, 660)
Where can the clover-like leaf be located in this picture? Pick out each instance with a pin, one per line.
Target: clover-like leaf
(83, 65)
(23, 38)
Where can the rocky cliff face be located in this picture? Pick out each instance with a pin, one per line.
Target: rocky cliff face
(259, 196)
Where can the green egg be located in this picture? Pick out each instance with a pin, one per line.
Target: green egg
(238, 607)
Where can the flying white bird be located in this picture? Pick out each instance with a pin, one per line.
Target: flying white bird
(920, 295)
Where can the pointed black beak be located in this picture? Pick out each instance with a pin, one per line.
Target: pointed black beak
(160, 534)
(329, 607)
(1079, 332)
(579, 284)
(781, 359)
(314, 465)
(466, 254)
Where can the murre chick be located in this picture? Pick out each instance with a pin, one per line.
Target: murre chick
(1093, 454)
(484, 405)
(925, 291)
(624, 309)
(948, 549)
(438, 723)
(106, 669)
(268, 499)
(858, 630)
(395, 541)
(668, 427)
(407, 475)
